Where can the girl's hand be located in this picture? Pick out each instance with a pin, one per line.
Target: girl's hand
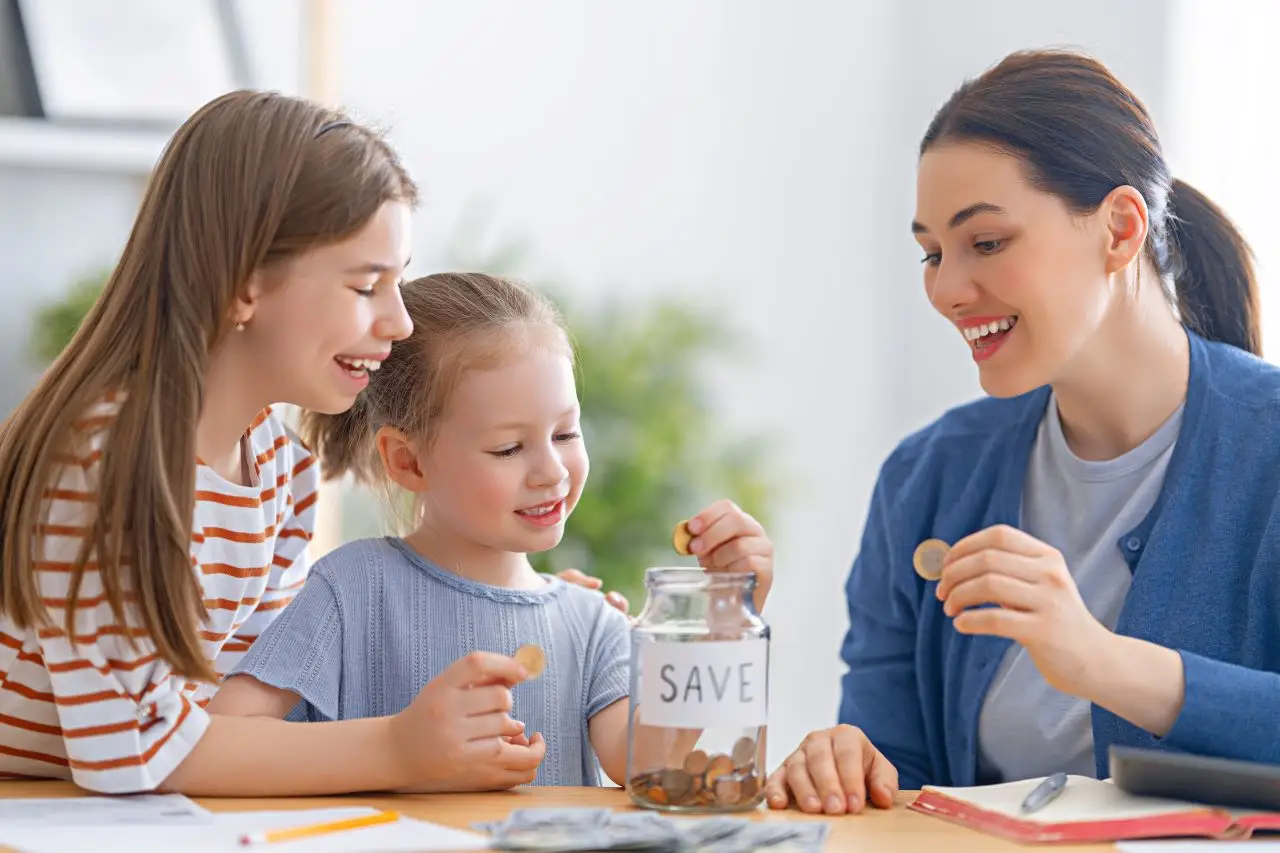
(1037, 603)
(726, 539)
(457, 734)
(616, 599)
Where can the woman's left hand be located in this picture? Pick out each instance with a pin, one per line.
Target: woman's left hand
(1037, 603)
(727, 539)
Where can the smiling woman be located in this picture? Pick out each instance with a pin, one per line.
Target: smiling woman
(1111, 504)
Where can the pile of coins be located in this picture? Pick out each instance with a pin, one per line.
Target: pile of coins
(704, 781)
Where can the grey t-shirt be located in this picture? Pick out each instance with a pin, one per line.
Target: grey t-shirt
(1082, 508)
(375, 622)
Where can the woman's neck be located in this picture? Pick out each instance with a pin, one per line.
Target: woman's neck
(231, 403)
(1129, 380)
(472, 560)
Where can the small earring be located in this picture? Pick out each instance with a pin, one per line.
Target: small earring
(240, 327)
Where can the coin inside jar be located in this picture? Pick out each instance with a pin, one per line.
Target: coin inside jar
(677, 784)
(532, 659)
(928, 558)
(696, 763)
(721, 765)
(744, 753)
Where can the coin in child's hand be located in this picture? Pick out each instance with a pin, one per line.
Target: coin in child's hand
(928, 558)
(532, 659)
(681, 538)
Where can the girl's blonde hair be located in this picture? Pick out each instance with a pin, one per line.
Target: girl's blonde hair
(249, 180)
(461, 321)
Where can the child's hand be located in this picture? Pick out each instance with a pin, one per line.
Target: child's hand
(616, 599)
(726, 539)
(457, 734)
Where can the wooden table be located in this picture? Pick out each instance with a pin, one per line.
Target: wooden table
(880, 830)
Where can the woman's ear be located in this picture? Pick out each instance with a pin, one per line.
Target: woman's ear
(1124, 213)
(400, 459)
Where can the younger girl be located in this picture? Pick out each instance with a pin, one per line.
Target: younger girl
(475, 414)
(154, 510)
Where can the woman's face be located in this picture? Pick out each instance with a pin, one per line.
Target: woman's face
(1024, 280)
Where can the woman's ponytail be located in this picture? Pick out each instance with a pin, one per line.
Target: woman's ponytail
(1213, 271)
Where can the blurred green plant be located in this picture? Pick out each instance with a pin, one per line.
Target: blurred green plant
(56, 322)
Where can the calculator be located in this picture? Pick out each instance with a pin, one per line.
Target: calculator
(1223, 782)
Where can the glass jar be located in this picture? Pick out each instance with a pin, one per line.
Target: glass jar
(699, 694)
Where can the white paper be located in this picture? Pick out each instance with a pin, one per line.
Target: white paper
(1196, 846)
(1083, 799)
(704, 684)
(167, 809)
(222, 835)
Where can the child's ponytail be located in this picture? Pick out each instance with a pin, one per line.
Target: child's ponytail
(344, 443)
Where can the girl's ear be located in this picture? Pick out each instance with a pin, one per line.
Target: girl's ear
(243, 306)
(400, 459)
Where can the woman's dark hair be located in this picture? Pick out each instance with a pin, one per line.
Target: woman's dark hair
(1080, 134)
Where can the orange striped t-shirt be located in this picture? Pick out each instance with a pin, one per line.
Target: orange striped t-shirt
(114, 718)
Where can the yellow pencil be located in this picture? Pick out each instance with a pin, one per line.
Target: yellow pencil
(318, 828)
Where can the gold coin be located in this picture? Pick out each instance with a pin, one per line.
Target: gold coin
(532, 659)
(928, 558)
(681, 538)
(696, 763)
(721, 765)
(728, 790)
(677, 784)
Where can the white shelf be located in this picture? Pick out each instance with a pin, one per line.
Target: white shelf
(35, 143)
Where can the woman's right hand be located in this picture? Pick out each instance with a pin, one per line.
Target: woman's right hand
(457, 734)
(833, 771)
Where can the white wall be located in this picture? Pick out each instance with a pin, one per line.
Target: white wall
(1223, 126)
(56, 224)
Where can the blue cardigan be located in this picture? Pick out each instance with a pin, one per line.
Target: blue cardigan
(1205, 562)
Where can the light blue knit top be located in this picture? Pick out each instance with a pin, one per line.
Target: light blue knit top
(375, 622)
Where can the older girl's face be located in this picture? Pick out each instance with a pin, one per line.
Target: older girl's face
(1023, 279)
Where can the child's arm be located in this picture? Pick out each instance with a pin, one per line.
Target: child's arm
(300, 657)
(450, 738)
(246, 696)
(608, 731)
(126, 726)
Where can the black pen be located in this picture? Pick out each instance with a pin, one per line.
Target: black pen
(1044, 793)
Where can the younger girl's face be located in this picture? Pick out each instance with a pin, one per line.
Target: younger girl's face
(508, 463)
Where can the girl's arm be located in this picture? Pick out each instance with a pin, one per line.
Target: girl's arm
(450, 738)
(245, 696)
(608, 731)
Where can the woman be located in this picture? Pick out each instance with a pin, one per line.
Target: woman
(1111, 507)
